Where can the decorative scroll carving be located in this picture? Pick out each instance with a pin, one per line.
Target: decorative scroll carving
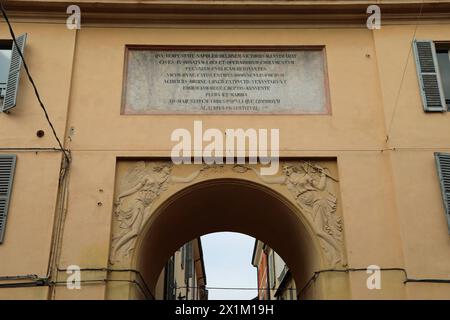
(309, 184)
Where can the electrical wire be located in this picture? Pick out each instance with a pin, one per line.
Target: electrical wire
(65, 152)
(407, 279)
(37, 281)
(64, 166)
(58, 222)
(29, 149)
(109, 280)
(167, 151)
(141, 278)
(316, 274)
(30, 78)
(19, 277)
(404, 73)
(149, 296)
(231, 288)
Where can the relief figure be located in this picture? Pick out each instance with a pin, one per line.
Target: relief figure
(308, 185)
(133, 205)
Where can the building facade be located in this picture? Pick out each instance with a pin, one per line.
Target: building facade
(363, 143)
(259, 261)
(275, 281)
(183, 277)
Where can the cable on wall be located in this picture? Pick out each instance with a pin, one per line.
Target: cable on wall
(397, 97)
(30, 78)
(407, 279)
(136, 272)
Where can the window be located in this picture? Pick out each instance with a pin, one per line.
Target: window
(189, 262)
(10, 65)
(5, 61)
(443, 168)
(7, 166)
(183, 256)
(271, 269)
(430, 75)
(443, 57)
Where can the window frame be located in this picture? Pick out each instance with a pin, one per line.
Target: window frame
(443, 46)
(5, 44)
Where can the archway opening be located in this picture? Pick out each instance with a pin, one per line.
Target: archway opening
(225, 266)
(228, 205)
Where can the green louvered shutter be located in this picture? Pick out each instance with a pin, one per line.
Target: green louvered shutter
(12, 85)
(183, 256)
(443, 168)
(7, 166)
(428, 73)
(170, 279)
(188, 268)
(271, 271)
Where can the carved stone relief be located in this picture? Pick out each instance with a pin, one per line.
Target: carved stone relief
(310, 185)
(140, 188)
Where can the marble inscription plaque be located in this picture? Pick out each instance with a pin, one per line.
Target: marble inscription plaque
(225, 82)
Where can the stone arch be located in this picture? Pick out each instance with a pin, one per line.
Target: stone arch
(229, 200)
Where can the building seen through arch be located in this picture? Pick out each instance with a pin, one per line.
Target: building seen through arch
(184, 275)
(275, 281)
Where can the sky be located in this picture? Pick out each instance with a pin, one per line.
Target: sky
(227, 257)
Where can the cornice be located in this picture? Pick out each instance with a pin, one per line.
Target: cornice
(229, 11)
